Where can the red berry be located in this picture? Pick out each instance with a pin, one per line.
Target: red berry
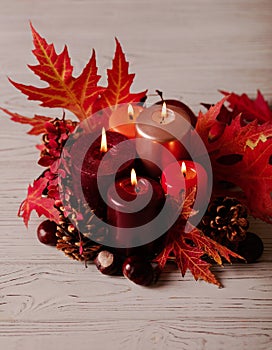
(138, 270)
(46, 232)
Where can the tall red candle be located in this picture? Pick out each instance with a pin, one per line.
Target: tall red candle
(87, 170)
(176, 178)
(132, 205)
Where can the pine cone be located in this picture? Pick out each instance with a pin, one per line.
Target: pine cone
(225, 221)
(75, 244)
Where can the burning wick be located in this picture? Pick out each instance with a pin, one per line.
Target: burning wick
(104, 146)
(134, 181)
(183, 169)
(163, 112)
(130, 112)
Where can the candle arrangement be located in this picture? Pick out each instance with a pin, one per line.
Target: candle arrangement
(131, 186)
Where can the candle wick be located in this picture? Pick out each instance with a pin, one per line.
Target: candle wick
(137, 189)
(184, 174)
(130, 116)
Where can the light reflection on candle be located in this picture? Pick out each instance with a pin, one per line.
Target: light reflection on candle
(104, 146)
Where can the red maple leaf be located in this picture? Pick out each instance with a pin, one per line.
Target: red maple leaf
(250, 109)
(189, 248)
(38, 122)
(64, 90)
(35, 201)
(242, 155)
(119, 83)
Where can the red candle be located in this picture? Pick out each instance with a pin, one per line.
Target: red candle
(85, 173)
(132, 203)
(162, 126)
(180, 108)
(182, 176)
(123, 119)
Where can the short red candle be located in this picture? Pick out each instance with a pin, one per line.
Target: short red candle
(120, 196)
(174, 180)
(91, 163)
(123, 119)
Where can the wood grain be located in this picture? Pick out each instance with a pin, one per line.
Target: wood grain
(188, 49)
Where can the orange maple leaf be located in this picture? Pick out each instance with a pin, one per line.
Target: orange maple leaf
(119, 83)
(64, 90)
(81, 95)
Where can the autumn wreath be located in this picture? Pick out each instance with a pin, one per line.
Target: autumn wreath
(236, 132)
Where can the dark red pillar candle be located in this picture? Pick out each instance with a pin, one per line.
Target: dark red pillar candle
(92, 161)
(125, 209)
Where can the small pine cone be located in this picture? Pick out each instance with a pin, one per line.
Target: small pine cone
(225, 221)
(73, 243)
(76, 246)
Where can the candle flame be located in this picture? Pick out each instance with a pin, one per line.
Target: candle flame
(130, 112)
(183, 169)
(104, 146)
(164, 110)
(133, 177)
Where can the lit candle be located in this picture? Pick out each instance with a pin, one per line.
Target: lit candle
(181, 108)
(159, 125)
(123, 119)
(183, 176)
(133, 202)
(87, 170)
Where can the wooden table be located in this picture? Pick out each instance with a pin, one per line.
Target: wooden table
(188, 49)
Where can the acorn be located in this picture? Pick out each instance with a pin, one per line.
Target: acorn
(251, 248)
(138, 270)
(108, 263)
